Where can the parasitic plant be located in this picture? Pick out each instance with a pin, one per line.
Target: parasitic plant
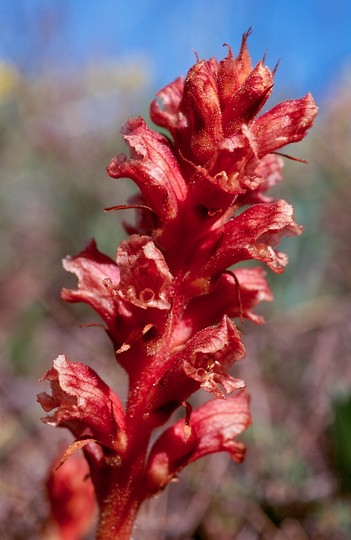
(169, 299)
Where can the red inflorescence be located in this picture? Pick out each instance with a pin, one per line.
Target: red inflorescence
(168, 299)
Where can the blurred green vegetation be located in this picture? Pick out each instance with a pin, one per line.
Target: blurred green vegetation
(341, 441)
(57, 134)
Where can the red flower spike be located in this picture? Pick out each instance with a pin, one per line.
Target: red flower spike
(167, 300)
(214, 427)
(85, 404)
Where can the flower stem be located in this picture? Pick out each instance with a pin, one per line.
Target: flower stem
(123, 485)
(118, 514)
(123, 496)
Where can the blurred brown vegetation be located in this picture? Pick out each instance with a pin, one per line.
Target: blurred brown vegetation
(57, 134)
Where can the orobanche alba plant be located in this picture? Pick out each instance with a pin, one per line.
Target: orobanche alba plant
(170, 298)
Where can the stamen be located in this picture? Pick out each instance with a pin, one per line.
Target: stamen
(128, 207)
(293, 158)
(187, 427)
(88, 325)
(241, 311)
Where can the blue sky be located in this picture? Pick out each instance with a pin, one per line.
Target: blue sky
(311, 37)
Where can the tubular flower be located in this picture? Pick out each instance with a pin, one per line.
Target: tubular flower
(213, 427)
(83, 402)
(168, 299)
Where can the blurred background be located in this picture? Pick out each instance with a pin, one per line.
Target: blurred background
(71, 72)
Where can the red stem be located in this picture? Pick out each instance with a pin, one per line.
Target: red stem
(123, 485)
(120, 507)
(123, 488)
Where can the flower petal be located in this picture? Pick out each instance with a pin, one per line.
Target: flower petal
(83, 402)
(247, 102)
(209, 353)
(169, 116)
(234, 294)
(286, 123)
(202, 109)
(153, 168)
(145, 277)
(253, 234)
(143, 295)
(266, 175)
(253, 289)
(93, 268)
(214, 427)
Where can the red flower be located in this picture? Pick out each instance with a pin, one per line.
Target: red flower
(132, 296)
(167, 300)
(84, 404)
(212, 428)
(207, 356)
(218, 139)
(92, 269)
(72, 501)
(153, 167)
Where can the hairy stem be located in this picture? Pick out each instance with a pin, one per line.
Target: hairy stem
(124, 489)
(119, 509)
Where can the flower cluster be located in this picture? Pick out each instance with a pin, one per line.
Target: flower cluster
(169, 299)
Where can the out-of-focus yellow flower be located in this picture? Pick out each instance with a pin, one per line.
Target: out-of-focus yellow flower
(9, 80)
